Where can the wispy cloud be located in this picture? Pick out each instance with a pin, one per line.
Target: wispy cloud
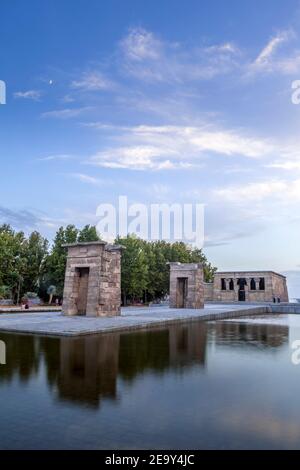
(34, 95)
(56, 158)
(148, 58)
(277, 189)
(84, 178)
(268, 60)
(271, 47)
(171, 147)
(68, 99)
(93, 81)
(225, 47)
(67, 113)
(141, 44)
(24, 219)
(288, 165)
(135, 158)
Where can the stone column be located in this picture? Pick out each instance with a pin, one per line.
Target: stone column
(247, 288)
(236, 288)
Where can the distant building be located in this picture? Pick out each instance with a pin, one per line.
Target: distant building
(247, 286)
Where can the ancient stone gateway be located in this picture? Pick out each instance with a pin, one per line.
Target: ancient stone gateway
(93, 280)
(186, 285)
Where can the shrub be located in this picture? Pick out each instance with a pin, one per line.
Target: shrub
(5, 293)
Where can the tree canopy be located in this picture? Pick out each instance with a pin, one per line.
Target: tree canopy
(30, 264)
(145, 272)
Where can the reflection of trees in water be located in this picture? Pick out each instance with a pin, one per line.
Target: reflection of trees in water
(89, 366)
(162, 350)
(22, 357)
(50, 350)
(261, 336)
(85, 369)
(143, 350)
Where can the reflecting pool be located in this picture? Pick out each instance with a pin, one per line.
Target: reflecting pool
(218, 385)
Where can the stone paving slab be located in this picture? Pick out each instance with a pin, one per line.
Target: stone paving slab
(56, 324)
(32, 309)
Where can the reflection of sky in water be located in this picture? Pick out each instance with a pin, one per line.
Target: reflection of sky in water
(268, 320)
(228, 384)
(292, 321)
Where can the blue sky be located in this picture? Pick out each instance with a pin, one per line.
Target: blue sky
(162, 101)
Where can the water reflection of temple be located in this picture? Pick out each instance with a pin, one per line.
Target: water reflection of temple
(187, 345)
(85, 370)
(88, 368)
(253, 334)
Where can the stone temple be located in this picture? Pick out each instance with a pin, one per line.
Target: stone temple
(247, 286)
(186, 285)
(93, 283)
(93, 280)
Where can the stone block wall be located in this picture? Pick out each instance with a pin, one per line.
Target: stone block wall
(104, 279)
(279, 287)
(193, 274)
(275, 287)
(208, 291)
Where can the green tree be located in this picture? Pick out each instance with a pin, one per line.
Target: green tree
(55, 264)
(26, 265)
(145, 270)
(35, 252)
(88, 234)
(5, 292)
(134, 268)
(12, 259)
(158, 276)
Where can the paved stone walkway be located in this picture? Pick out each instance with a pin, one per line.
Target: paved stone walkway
(55, 324)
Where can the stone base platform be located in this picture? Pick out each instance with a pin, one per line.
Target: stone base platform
(56, 324)
(32, 309)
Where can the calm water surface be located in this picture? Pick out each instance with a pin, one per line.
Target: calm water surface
(221, 385)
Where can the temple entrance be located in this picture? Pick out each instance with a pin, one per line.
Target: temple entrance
(242, 283)
(242, 296)
(182, 289)
(82, 290)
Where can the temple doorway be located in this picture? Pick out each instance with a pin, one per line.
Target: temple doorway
(242, 291)
(242, 296)
(83, 284)
(182, 289)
